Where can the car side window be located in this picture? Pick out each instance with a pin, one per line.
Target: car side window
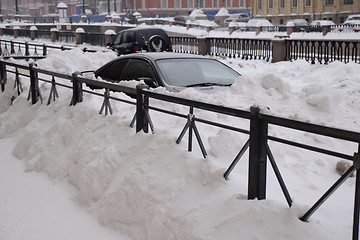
(136, 69)
(113, 71)
(127, 37)
(117, 39)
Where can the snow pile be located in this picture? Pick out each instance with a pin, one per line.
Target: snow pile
(148, 187)
(222, 12)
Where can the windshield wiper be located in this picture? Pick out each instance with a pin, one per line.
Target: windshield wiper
(206, 84)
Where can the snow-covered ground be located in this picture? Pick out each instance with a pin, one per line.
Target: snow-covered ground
(70, 173)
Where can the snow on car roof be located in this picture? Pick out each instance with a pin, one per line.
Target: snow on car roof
(163, 55)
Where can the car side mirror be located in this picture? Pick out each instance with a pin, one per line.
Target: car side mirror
(149, 81)
(109, 45)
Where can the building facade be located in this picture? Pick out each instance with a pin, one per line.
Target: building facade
(279, 11)
(36, 7)
(145, 7)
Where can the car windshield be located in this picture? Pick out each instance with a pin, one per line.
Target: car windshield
(187, 72)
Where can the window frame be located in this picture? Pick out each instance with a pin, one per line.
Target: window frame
(282, 4)
(270, 4)
(294, 4)
(329, 2)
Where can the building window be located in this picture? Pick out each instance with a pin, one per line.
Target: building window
(191, 4)
(177, 3)
(294, 3)
(242, 3)
(229, 3)
(307, 3)
(329, 2)
(271, 3)
(202, 4)
(164, 3)
(348, 1)
(282, 3)
(215, 3)
(259, 4)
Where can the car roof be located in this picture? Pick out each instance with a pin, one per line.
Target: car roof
(162, 55)
(323, 22)
(142, 29)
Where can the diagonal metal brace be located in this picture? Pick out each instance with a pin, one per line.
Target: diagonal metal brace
(331, 190)
(278, 175)
(236, 160)
(106, 103)
(191, 126)
(53, 92)
(17, 83)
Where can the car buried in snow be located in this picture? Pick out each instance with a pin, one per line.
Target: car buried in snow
(173, 71)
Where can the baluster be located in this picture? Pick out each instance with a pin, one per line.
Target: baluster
(333, 51)
(296, 49)
(239, 47)
(326, 52)
(313, 52)
(340, 51)
(320, 51)
(302, 49)
(354, 52)
(307, 51)
(347, 52)
(247, 49)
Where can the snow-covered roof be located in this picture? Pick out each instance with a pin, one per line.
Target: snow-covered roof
(62, 5)
(223, 12)
(197, 13)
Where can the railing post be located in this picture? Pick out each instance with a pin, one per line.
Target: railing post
(77, 90)
(257, 156)
(12, 48)
(357, 196)
(33, 84)
(141, 120)
(3, 75)
(203, 46)
(44, 49)
(80, 36)
(278, 50)
(27, 53)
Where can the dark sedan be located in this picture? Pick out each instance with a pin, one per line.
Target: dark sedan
(174, 71)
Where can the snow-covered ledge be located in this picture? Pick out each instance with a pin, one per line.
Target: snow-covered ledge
(109, 36)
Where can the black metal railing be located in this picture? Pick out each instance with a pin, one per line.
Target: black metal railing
(66, 36)
(241, 48)
(26, 50)
(95, 39)
(17, 49)
(184, 44)
(324, 51)
(262, 128)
